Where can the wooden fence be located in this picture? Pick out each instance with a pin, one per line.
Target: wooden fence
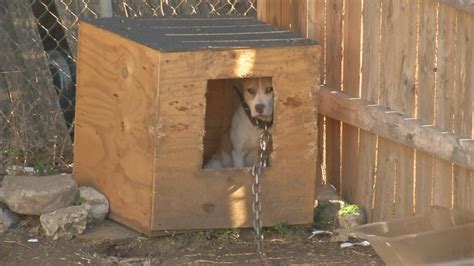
(396, 108)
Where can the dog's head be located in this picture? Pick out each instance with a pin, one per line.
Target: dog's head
(258, 94)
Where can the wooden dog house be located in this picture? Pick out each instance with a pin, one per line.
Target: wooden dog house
(153, 98)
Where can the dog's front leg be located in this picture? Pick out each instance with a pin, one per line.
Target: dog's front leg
(238, 157)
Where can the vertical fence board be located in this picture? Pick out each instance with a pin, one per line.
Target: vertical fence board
(442, 179)
(376, 171)
(463, 107)
(397, 80)
(299, 17)
(370, 92)
(426, 89)
(316, 20)
(276, 12)
(350, 135)
(384, 189)
(333, 80)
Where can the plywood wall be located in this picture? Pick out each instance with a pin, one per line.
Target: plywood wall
(413, 57)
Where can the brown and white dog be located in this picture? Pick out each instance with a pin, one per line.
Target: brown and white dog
(240, 145)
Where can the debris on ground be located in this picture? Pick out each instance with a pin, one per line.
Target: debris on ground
(113, 244)
(364, 243)
(79, 233)
(18, 170)
(320, 232)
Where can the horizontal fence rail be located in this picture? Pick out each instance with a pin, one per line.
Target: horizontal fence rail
(395, 130)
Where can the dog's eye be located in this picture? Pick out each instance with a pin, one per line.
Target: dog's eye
(251, 91)
(269, 90)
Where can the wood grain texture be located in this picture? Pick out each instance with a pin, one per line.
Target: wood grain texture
(308, 20)
(425, 93)
(221, 103)
(398, 93)
(397, 127)
(141, 133)
(444, 100)
(352, 184)
(276, 12)
(115, 123)
(370, 92)
(464, 86)
(299, 17)
(225, 201)
(333, 79)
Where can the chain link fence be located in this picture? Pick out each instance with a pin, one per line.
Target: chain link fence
(38, 40)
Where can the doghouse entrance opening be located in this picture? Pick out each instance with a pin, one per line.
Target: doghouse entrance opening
(222, 101)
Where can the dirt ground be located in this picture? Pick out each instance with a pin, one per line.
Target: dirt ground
(112, 244)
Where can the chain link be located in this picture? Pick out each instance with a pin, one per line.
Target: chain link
(261, 163)
(38, 66)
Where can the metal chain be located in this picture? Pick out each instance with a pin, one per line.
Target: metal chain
(262, 162)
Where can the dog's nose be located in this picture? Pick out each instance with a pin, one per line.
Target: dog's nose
(259, 108)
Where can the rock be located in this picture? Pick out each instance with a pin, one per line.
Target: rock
(7, 218)
(327, 193)
(95, 203)
(352, 220)
(108, 232)
(36, 195)
(64, 223)
(327, 204)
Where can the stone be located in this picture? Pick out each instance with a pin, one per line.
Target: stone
(328, 202)
(64, 223)
(7, 218)
(108, 232)
(326, 193)
(95, 203)
(36, 195)
(352, 220)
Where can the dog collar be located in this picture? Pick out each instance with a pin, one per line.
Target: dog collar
(255, 121)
